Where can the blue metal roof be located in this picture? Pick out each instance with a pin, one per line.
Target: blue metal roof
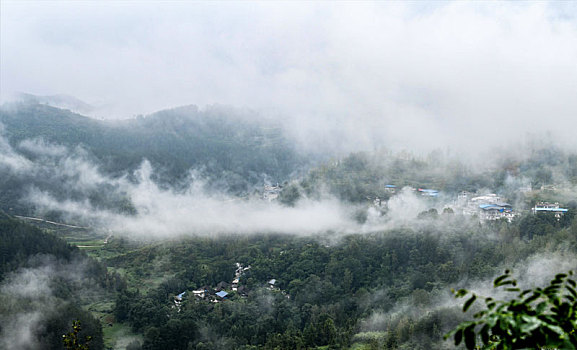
(503, 204)
(222, 294)
(561, 210)
(391, 186)
(489, 206)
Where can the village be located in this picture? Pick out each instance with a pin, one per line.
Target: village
(485, 206)
(223, 290)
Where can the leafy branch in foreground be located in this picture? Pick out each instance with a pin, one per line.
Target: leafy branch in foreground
(71, 340)
(534, 318)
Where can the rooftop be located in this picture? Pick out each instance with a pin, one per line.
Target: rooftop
(561, 210)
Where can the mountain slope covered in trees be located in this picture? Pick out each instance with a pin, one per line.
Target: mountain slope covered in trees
(222, 143)
(43, 288)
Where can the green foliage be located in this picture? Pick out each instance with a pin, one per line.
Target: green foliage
(19, 241)
(290, 195)
(428, 214)
(544, 223)
(330, 288)
(23, 246)
(71, 340)
(230, 149)
(533, 318)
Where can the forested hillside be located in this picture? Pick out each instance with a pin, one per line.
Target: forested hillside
(363, 175)
(288, 175)
(387, 290)
(178, 248)
(45, 284)
(229, 147)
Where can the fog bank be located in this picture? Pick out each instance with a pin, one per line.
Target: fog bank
(341, 76)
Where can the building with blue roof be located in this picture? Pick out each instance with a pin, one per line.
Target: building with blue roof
(390, 188)
(428, 192)
(495, 211)
(545, 207)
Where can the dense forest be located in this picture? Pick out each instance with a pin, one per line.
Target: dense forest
(328, 292)
(43, 288)
(380, 284)
(227, 148)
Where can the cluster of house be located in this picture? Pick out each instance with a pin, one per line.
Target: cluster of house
(219, 293)
(271, 192)
(488, 207)
(392, 189)
(491, 207)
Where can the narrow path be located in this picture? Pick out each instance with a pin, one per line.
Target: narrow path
(50, 222)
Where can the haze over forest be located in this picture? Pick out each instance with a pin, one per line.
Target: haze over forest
(343, 76)
(333, 168)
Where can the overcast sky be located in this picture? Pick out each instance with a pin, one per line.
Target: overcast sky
(361, 74)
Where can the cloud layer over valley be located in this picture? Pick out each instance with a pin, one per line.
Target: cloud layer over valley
(67, 180)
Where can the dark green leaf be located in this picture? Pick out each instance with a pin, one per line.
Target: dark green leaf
(458, 337)
(484, 332)
(498, 280)
(469, 302)
(572, 291)
(469, 334)
(461, 293)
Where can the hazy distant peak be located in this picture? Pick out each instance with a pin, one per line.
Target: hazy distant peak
(60, 101)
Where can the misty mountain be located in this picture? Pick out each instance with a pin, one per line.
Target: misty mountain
(231, 150)
(177, 140)
(59, 101)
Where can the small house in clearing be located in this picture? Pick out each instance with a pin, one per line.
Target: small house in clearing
(222, 294)
(496, 211)
(179, 296)
(200, 293)
(390, 188)
(545, 207)
(428, 192)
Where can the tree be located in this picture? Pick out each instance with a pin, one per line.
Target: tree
(290, 195)
(535, 318)
(71, 340)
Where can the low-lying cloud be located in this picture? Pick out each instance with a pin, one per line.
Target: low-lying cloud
(535, 271)
(159, 211)
(169, 213)
(28, 299)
